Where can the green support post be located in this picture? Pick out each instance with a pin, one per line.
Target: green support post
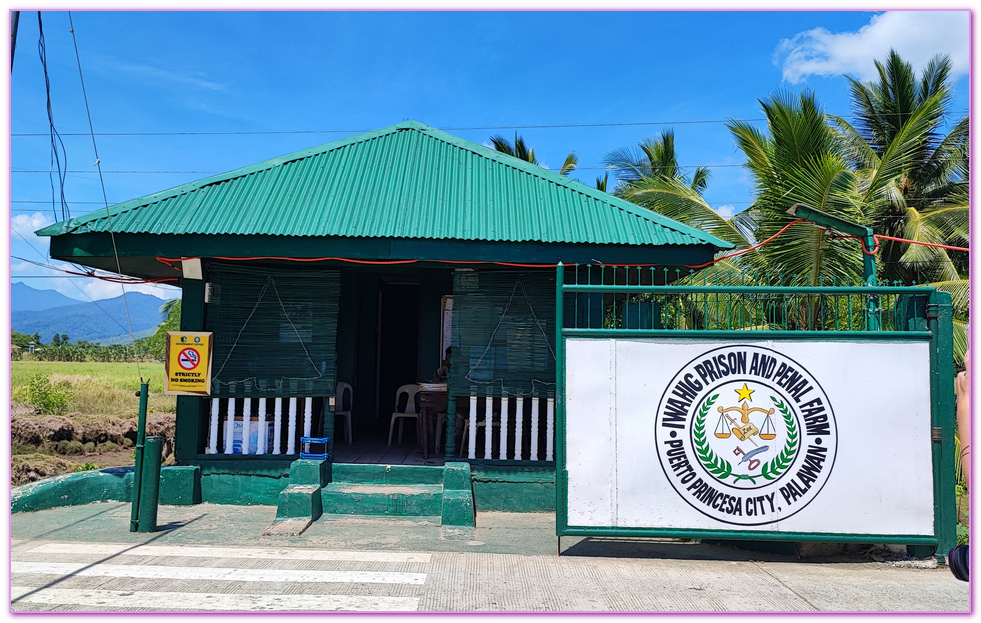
(825, 220)
(134, 517)
(450, 446)
(150, 490)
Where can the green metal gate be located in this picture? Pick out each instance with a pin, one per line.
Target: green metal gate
(651, 438)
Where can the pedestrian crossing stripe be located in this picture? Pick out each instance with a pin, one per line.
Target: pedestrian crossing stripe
(213, 573)
(129, 549)
(215, 602)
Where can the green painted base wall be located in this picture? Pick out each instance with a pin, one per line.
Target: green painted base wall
(178, 486)
(248, 483)
(513, 489)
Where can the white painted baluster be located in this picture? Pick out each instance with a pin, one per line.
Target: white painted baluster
(472, 433)
(213, 443)
(246, 423)
(260, 444)
(533, 455)
(229, 423)
(549, 429)
(277, 425)
(291, 428)
(488, 421)
(519, 425)
(307, 415)
(502, 451)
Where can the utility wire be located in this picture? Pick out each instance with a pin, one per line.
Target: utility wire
(50, 267)
(447, 128)
(98, 165)
(53, 135)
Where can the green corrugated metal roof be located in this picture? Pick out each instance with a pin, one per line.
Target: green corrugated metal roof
(405, 181)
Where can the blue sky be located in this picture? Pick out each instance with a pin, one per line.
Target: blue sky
(241, 72)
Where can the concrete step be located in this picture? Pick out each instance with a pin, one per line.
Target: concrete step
(402, 500)
(388, 474)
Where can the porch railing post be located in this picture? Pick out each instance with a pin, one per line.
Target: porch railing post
(213, 429)
(472, 433)
(502, 450)
(519, 425)
(291, 428)
(278, 425)
(246, 423)
(488, 422)
(260, 444)
(533, 454)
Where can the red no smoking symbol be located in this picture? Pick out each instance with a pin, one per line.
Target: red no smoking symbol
(189, 359)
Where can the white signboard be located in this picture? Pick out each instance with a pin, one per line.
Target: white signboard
(822, 437)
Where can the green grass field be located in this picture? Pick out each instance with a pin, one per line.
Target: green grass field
(98, 388)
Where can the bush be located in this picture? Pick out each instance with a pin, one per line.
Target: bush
(22, 448)
(89, 447)
(48, 397)
(69, 447)
(107, 446)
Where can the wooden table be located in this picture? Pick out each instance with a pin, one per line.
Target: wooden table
(430, 403)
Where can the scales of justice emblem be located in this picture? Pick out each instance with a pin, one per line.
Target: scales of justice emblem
(749, 454)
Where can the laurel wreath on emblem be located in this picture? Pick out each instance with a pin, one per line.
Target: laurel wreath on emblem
(780, 463)
(715, 465)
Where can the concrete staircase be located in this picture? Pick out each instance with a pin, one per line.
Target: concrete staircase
(441, 494)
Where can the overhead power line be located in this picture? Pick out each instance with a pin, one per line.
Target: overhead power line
(447, 128)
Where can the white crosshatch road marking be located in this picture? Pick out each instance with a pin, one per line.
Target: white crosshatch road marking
(214, 573)
(112, 549)
(207, 601)
(48, 577)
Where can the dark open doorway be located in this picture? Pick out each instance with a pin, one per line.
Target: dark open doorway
(398, 344)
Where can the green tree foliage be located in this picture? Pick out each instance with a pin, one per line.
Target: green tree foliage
(522, 152)
(20, 339)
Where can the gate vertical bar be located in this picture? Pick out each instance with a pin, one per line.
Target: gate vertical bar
(941, 322)
(561, 476)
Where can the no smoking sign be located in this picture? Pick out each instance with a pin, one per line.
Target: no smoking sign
(188, 359)
(188, 363)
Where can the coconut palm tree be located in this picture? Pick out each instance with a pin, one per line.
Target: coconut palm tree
(653, 158)
(522, 152)
(898, 142)
(651, 177)
(929, 179)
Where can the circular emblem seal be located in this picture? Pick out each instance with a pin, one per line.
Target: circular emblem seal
(746, 435)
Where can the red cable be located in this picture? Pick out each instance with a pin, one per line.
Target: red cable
(752, 248)
(926, 244)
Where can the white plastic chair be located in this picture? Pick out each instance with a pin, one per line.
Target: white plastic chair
(341, 413)
(410, 411)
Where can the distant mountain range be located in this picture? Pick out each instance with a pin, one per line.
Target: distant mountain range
(47, 312)
(25, 298)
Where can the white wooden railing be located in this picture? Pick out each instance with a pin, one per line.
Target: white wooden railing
(261, 420)
(498, 430)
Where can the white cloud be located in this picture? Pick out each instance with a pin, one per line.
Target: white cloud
(98, 289)
(726, 211)
(23, 227)
(916, 35)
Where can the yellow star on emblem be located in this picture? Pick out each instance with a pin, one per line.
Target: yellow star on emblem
(745, 393)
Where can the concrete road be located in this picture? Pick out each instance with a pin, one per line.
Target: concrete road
(212, 558)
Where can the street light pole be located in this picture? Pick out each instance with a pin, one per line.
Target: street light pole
(828, 221)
